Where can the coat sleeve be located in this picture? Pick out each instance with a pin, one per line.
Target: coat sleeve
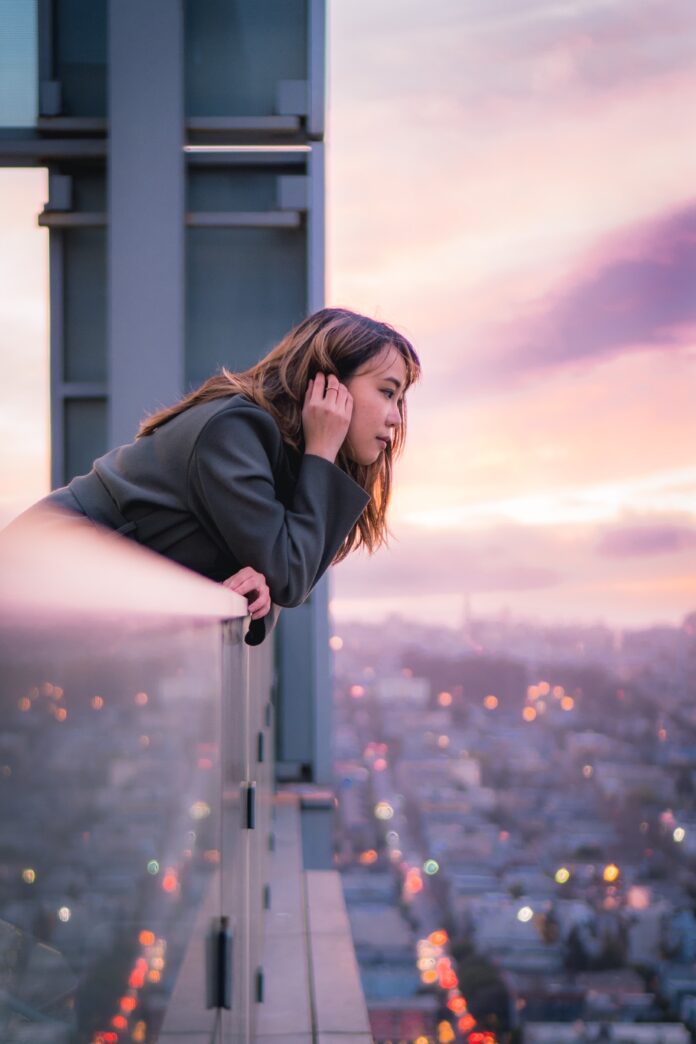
(231, 481)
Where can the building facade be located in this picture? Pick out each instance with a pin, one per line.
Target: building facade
(184, 144)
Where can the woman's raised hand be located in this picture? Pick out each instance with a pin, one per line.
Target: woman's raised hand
(326, 414)
(248, 582)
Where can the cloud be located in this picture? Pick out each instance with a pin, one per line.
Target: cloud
(635, 292)
(421, 562)
(593, 47)
(518, 560)
(647, 539)
(491, 51)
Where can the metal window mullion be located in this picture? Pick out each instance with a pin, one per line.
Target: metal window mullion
(56, 352)
(208, 156)
(82, 390)
(73, 219)
(242, 219)
(46, 53)
(316, 260)
(97, 126)
(28, 152)
(45, 40)
(316, 35)
(243, 124)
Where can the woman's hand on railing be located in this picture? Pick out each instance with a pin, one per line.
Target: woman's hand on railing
(326, 414)
(253, 585)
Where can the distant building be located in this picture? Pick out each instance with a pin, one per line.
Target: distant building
(404, 1019)
(605, 1033)
(412, 692)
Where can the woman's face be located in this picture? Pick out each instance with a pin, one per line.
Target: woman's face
(378, 389)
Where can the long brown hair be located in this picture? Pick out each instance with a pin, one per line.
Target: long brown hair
(332, 340)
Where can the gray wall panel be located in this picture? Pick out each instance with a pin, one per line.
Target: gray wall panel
(245, 287)
(84, 304)
(84, 433)
(80, 50)
(89, 190)
(250, 188)
(238, 50)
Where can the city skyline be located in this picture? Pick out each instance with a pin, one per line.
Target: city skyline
(513, 190)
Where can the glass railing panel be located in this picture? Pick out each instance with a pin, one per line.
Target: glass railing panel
(111, 784)
(237, 825)
(246, 813)
(261, 764)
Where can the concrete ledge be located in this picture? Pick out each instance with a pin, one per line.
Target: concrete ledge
(286, 913)
(286, 1012)
(338, 997)
(313, 989)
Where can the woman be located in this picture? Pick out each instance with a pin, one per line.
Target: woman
(271, 474)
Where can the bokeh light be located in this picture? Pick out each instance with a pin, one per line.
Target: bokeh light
(199, 810)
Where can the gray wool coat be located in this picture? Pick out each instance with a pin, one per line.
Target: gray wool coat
(216, 489)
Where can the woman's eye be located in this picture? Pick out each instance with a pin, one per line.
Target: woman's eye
(388, 392)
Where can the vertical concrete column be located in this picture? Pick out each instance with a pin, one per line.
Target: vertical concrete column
(146, 192)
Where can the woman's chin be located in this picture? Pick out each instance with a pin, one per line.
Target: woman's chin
(365, 458)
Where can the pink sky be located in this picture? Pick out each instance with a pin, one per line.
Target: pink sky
(513, 186)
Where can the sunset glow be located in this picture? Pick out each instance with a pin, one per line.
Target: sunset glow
(537, 245)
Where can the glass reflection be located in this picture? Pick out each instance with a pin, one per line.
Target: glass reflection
(108, 843)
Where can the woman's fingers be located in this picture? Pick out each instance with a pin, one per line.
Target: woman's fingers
(323, 385)
(238, 578)
(318, 387)
(248, 581)
(344, 399)
(250, 584)
(326, 415)
(260, 607)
